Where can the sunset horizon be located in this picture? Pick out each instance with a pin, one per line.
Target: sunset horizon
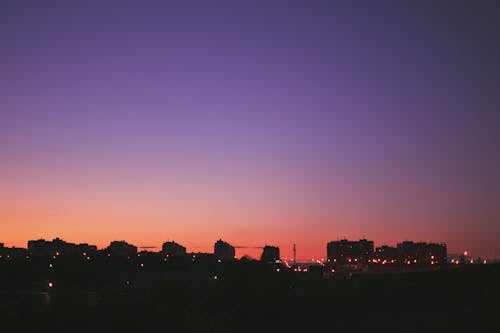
(267, 123)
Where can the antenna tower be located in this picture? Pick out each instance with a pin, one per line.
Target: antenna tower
(294, 254)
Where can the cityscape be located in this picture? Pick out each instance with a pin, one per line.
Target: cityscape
(350, 255)
(54, 283)
(249, 166)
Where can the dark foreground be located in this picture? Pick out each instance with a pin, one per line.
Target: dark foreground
(249, 297)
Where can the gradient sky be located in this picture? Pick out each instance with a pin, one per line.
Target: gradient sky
(261, 122)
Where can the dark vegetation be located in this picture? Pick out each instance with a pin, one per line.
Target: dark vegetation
(244, 296)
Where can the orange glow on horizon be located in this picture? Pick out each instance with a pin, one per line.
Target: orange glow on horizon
(145, 221)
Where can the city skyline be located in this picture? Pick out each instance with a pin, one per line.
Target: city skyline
(260, 123)
(239, 250)
(338, 252)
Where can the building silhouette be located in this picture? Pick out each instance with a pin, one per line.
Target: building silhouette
(12, 252)
(270, 254)
(57, 246)
(349, 252)
(224, 250)
(340, 252)
(121, 249)
(386, 254)
(173, 249)
(40, 247)
(422, 253)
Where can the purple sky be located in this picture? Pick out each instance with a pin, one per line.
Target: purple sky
(258, 121)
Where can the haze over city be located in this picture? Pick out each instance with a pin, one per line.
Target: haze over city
(257, 122)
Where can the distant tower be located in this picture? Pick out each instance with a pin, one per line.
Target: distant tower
(270, 254)
(294, 254)
(223, 250)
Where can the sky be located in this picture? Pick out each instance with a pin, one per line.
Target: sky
(258, 122)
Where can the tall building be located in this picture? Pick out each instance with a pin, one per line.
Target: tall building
(40, 247)
(173, 249)
(121, 249)
(349, 252)
(437, 253)
(13, 252)
(387, 253)
(224, 250)
(270, 254)
(422, 253)
(57, 246)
